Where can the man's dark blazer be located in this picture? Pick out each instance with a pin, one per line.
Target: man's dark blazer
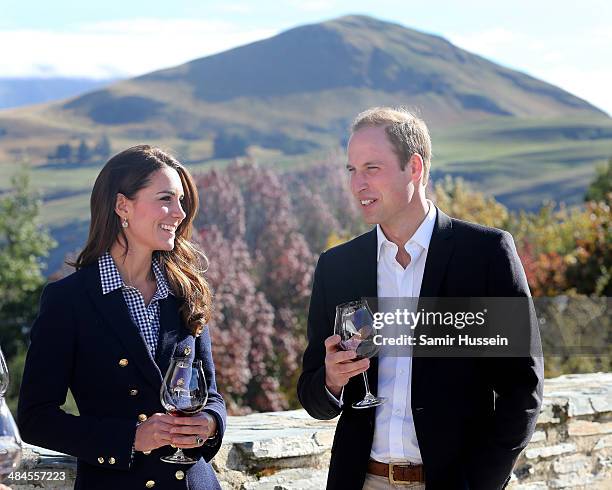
(77, 342)
(472, 416)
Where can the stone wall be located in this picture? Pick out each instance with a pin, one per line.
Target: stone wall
(572, 444)
(571, 448)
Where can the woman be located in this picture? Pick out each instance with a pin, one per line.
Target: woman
(109, 330)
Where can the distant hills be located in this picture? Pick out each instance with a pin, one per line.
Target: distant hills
(16, 92)
(295, 92)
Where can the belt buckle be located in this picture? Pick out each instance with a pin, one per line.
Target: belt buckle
(392, 480)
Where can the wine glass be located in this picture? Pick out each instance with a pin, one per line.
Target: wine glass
(4, 375)
(183, 394)
(10, 440)
(355, 326)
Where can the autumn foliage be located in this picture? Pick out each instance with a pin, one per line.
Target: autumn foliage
(262, 232)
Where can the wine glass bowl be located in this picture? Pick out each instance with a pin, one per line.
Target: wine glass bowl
(10, 440)
(357, 330)
(4, 375)
(183, 394)
(355, 326)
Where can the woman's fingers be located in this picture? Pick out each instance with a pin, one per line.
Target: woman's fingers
(188, 430)
(153, 433)
(187, 441)
(191, 432)
(183, 432)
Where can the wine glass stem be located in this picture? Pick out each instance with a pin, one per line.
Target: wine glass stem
(367, 385)
(179, 453)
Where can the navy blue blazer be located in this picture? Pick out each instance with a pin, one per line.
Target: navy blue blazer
(87, 342)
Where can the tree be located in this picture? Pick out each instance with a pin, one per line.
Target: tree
(242, 327)
(261, 269)
(545, 272)
(458, 199)
(63, 153)
(601, 187)
(330, 181)
(103, 148)
(23, 246)
(590, 265)
(315, 220)
(222, 204)
(83, 152)
(284, 262)
(229, 145)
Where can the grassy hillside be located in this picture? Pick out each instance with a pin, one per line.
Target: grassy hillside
(523, 162)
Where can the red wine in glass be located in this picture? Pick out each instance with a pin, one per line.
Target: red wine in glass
(355, 326)
(183, 394)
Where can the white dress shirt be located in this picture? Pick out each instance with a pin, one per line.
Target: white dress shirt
(394, 432)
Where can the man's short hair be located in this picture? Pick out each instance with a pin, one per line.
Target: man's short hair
(407, 133)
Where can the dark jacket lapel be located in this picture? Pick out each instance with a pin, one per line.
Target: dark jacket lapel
(113, 311)
(367, 260)
(438, 255)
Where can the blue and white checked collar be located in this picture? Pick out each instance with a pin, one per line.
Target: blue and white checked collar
(111, 279)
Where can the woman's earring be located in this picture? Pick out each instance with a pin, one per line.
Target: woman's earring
(125, 223)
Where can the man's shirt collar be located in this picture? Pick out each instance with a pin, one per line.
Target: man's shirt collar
(422, 236)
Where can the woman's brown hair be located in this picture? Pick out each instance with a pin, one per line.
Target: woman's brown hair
(127, 173)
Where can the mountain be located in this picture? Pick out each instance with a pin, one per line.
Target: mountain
(295, 92)
(16, 92)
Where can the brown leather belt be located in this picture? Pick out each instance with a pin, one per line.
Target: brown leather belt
(398, 474)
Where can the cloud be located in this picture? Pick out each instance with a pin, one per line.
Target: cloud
(119, 48)
(565, 61)
(591, 85)
(497, 43)
(312, 5)
(236, 8)
(489, 38)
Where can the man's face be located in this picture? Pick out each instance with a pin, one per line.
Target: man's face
(382, 189)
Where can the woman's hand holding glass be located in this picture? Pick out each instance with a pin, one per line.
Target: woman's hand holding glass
(154, 432)
(162, 430)
(187, 429)
(184, 394)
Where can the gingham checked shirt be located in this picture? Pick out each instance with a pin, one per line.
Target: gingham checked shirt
(145, 317)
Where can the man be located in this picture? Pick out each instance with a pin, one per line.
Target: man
(449, 422)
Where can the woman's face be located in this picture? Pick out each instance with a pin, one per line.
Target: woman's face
(155, 212)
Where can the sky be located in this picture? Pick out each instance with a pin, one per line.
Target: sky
(566, 43)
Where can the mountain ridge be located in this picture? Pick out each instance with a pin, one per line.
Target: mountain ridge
(296, 92)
